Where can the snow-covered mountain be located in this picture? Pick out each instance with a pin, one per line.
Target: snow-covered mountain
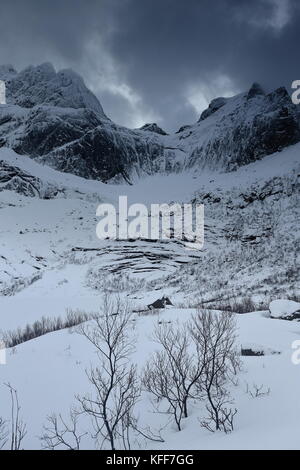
(52, 117)
(238, 130)
(52, 263)
(41, 85)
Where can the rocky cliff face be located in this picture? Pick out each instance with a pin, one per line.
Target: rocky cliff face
(52, 117)
(15, 179)
(55, 119)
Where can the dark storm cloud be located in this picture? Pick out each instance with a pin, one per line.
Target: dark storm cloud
(158, 59)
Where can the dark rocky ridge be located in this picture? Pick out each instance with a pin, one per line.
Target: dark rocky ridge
(215, 104)
(153, 127)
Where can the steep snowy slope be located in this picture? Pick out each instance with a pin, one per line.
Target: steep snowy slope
(50, 221)
(251, 235)
(235, 131)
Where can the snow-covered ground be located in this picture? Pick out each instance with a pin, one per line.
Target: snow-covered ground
(51, 261)
(50, 370)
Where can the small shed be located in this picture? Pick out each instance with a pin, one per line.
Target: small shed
(160, 303)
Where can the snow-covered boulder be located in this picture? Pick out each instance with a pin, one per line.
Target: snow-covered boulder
(13, 178)
(284, 309)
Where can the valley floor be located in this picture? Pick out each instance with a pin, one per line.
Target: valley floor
(52, 261)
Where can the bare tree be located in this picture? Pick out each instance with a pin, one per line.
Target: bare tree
(215, 335)
(171, 374)
(257, 391)
(225, 416)
(62, 434)
(114, 379)
(18, 427)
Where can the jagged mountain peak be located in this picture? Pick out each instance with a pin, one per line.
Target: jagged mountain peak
(255, 90)
(42, 85)
(279, 95)
(153, 127)
(214, 105)
(246, 127)
(217, 103)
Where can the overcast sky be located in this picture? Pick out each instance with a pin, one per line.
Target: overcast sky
(157, 60)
